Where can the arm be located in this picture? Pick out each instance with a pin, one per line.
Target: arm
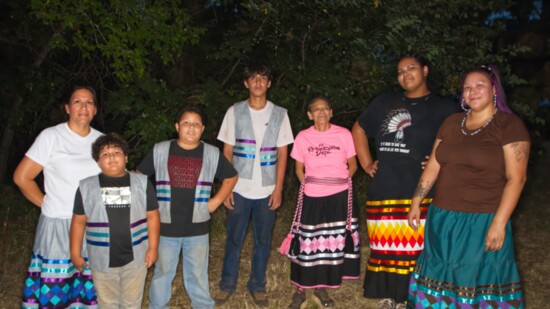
(276, 197)
(24, 177)
(223, 193)
(300, 171)
(153, 232)
(228, 154)
(362, 149)
(516, 156)
(425, 184)
(78, 226)
(352, 166)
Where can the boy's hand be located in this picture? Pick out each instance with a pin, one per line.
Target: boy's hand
(151, 257)
(229, 201)
(275, 199)
(78, 262)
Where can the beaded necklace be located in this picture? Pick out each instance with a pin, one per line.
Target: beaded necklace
(478, 130)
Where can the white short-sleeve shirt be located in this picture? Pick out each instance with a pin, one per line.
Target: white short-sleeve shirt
(252, 188)
(66, 158)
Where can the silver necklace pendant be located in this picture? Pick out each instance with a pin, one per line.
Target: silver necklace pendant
(479, 129)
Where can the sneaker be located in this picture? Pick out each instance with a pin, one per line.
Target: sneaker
(386, 303)
(298, 301)
(320, 296)
(222, 297)
(402, 305)
(260, 298)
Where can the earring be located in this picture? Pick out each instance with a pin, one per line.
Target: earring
(464, 106)
(495, 100)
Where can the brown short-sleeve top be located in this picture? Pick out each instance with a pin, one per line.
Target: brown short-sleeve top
(473, 174)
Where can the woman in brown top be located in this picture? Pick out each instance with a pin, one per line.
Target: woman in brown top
(479, 160)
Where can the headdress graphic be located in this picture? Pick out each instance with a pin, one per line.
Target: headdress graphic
(396, 121)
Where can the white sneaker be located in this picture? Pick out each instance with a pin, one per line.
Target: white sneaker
(386, 303)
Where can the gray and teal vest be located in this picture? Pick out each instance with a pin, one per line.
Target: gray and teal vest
(203, 189)
(97, 225)
(244, 151)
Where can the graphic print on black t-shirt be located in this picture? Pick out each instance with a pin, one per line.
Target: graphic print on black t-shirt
(396, 121)
(322, 150)
(184, 171)
(116, 197)
(117, 201)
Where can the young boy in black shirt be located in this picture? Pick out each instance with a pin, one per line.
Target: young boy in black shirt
(118, 211)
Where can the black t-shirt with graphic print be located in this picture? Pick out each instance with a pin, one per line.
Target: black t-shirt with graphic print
(404, 131)
(116, 195)
(184, 167)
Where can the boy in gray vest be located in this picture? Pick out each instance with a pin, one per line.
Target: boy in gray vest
(119, 213)
(256, 134)
(184, 171)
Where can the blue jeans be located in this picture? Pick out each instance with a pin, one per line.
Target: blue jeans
(237, 224)
(194, 250)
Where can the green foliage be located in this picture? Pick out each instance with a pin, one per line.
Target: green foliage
(127, 36)
(148, 58)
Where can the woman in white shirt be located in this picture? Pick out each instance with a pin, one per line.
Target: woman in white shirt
(63, 154)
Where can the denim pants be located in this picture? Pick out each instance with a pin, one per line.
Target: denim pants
(120, 287)
(237, 224)
(194, 250)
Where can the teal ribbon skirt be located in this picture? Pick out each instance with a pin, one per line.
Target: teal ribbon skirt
(455, 271)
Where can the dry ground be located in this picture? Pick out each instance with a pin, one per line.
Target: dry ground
(532, 238)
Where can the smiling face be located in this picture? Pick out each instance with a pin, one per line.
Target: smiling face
(189, 128)
(412, 77)
(112, 161)
(478, 91)
(257, 85)
(320, 112)
(81, 107)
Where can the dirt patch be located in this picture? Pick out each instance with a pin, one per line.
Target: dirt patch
(531, 223)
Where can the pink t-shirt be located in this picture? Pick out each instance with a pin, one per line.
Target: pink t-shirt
(325, 155)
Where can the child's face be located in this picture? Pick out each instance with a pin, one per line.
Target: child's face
(112, 161)
(190, 128)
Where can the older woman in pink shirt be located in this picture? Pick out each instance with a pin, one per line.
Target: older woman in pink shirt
(325, 225)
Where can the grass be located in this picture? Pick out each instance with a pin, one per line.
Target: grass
(531, 223)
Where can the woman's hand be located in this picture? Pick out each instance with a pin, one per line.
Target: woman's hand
(371, 168)
(79, 263)
(424, 163)
(495, 237)
(414, 217)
